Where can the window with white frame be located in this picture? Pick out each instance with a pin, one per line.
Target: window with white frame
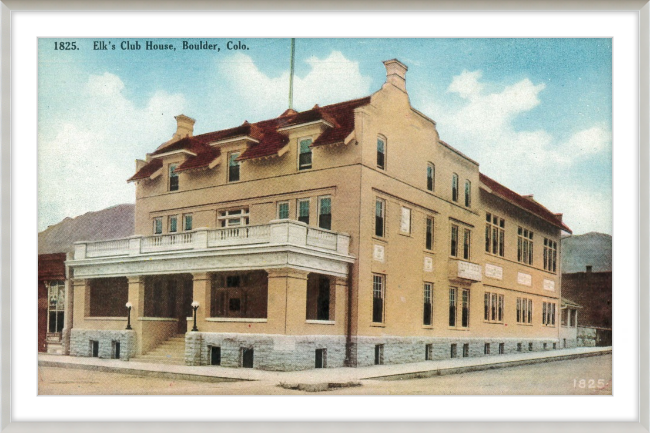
(453, 293)
(233, 167)
(524, 310)
(173, 224)
(303, 210)
(56, 306)
(493, 307)
(494, 234)
(464, 308)
(467, 244)
(550, 255)
(468, 193)
(233, 217)
(380, 217)
(548, 313)
(428, 304)
(378, 294)
(525, 246)
(454, 240)
(283, 210)
(325, 212)
(304, 155)
(173, 177)
(405, 221)
(187, 222)
(431, 177)
(157, 225)
(454, 187)
(381, 153)
(428, 240)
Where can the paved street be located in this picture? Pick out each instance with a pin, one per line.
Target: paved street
(557, 377)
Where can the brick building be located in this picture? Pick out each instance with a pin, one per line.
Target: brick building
(344, 235)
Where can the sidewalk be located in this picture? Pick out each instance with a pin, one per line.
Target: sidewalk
(319, 376)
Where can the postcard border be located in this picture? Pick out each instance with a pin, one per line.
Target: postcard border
(641, 6)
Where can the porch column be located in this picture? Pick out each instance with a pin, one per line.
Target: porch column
(81, 302)
(201, 285)
(340, 287)
(296, 301)
(68, 313)
(136, 298)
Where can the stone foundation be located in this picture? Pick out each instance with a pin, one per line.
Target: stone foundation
(289, 353)
(80, 343)
(270, 352)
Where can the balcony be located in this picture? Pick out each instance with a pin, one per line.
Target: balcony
(277, 244)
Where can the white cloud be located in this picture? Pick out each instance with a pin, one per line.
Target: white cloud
(332, 79)
(528, 161)
(85, 163)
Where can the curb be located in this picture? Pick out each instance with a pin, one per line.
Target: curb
(142, 373)
(471, 368)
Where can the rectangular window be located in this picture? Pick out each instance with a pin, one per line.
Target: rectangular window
(494, 234)
(187, 222)
(233, 218)
(502, 348)
(303, 211)
(428, 304)
(428, 243)
(428, 352)
(380, 210)
(530, 347)
(518, 347)
(454, 187)
(431, 177)
(215, 355)
(381, 153)
(550, 255)
(468, 193)
(157, 225)
(465, 350)
(454, 241)
(464, 322)
(454, 350)
(405, 222)
(233, 167)
(494, 307)
(378, 298)
(173, 177)
(525, 246)
(452, 307)
(283, 210)
(321, 358)
(247, 357)
(56, 306)
(524, 310)
(467, 242)
(325, 213)
(304, 157)
(173, 224)
(486, 348)
(94, 348)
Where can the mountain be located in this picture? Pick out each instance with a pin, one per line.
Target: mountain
(591, 249)
(111, 223)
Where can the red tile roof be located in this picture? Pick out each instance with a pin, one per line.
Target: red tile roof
(269, 140)
(51, 266)
(147, 170)
(526, 203)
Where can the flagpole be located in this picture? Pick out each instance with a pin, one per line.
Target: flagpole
(293, 53)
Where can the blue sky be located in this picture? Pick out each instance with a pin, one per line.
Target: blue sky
(535, 113)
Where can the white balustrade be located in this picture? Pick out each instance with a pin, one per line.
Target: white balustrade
(179, 241)
(107, 248)
(243, 235)
(321, 238)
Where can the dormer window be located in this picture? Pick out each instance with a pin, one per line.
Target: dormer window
(173, 177)
(381, 153)
(304, 156)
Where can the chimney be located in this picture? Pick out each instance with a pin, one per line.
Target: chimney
(559, 216)
(184, 126)
(396, 73)
(589, 268)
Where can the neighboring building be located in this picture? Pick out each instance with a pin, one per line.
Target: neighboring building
(54, 314)
(569, 323)
(51, 301)
(590, 249)
(348, 234)
(593, 291)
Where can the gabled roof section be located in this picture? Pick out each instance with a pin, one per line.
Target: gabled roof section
(200, 161)
(342, 116)
(527, 204)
